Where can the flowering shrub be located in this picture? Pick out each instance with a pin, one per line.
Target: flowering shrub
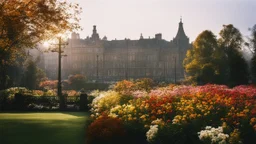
(71, 93)
(48, 84)
(180, 112)
(235, 137)
(144, 84)
(105, 130)
(33, 99)
(37, 93)
(213, 135)
(151, 134)
(104, 102)
(153, 130)
(126, 86)
(50, 93)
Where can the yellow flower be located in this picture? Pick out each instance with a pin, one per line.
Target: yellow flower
(252, 121)
(159, 112)
(192, 116)
(246, 110)
(142, 117)
(132, 108)
(147, 105)
(120, 112)
(224, 124)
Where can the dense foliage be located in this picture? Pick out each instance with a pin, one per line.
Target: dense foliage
(33, 75)
(252, 47)
(201, 63)
(106, 130)
(127, 86)
(217, 61)
(24, 23)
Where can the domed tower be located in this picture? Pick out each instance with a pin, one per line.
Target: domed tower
(95, 35)
(181, 42)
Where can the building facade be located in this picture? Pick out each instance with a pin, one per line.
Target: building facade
(104, 60)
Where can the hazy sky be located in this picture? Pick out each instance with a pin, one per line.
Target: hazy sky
(129, 18)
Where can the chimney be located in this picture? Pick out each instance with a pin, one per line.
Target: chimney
(158, 36)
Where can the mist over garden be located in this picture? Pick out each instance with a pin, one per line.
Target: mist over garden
(145, 91)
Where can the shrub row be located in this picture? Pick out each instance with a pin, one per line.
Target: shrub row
(28, 102)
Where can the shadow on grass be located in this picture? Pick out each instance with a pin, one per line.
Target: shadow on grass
(44, 131)
(78, 114)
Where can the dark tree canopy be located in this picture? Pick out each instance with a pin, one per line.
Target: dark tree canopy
(231, 41)
(252, 47)
(217, 61)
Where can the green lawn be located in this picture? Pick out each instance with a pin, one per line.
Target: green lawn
(43, 128)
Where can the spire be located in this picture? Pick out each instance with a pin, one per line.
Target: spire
(141, 36)
(94, 29)
(95, 35)
(181, 33)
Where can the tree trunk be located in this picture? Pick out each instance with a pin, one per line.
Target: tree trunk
(3, 76)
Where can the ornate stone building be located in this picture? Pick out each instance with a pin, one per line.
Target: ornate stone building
(104, 60)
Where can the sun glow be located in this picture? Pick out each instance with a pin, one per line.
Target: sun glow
(55, 40)
(46, 44)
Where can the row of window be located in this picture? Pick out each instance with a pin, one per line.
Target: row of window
(120, 58)
(122, 65)
(138, 72)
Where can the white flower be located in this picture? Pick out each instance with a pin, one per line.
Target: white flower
(216, 135)
(208, 127)
(151, 134)
(157, 122)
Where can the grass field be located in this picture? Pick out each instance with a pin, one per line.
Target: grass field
(43, 128)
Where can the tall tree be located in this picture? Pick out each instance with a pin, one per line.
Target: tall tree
(30, 75)
(23, 23)
(231, 42)
(252, 47)
(33, 75)
(201, 60)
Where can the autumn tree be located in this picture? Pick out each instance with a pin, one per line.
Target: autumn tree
(48, 84)
(77, 81)
(231, 42)
(24, 23)
(201, 62)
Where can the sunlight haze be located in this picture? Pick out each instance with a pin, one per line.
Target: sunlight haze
(122, 19)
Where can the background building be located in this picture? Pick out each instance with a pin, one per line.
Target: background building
(104, 60)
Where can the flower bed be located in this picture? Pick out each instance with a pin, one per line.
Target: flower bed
(182, 114)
